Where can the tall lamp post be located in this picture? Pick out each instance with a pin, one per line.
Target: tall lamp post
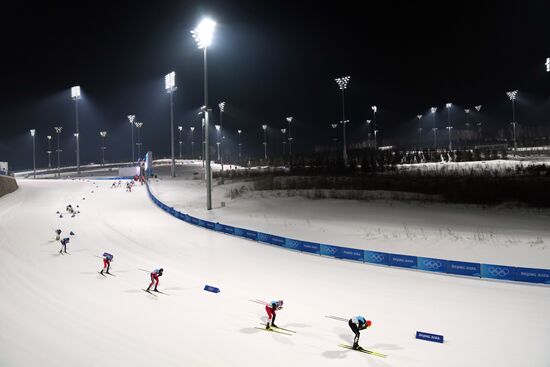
(264, 127)
(334, 138)
(419, 117)
(368, 132)
(58, 131)
(49, 151)
(449, 127)
(239, 131)
(131, 118)
(467, 112)
(33, 132)
(138, 126)
(342, 84)
(374, 109)
(75, 95)
(203, 35)
(434, 128)
(283, 131)
(289, 120)
(218, 127)
(170, 86)
(512, 95)
(478, 108)
(180, 128)
(221, 105)
(192, 128)
(103, 134)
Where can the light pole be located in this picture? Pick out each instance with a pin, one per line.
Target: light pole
(202, 143)
(342, 84)
(180, 128)
(467, 111)
(283, 131)
(75, 95)
(334, 138)
(289, 120)
(221, 105)
(49, 151)
(239, 131)
(138, 126)
(434, 129)
(449, 127)
(374, 109)
(170, 86)
(76, 139)
(264, 127)
(512, 95)
(33, 132)
(478, 108)
(131, 118)
(218, 139)
(192, 128)
(203, 34)
(419, 117)
(58, 131)
(368, 132)
(103, 134)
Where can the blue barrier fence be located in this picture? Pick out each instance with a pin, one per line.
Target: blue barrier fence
(475, 270)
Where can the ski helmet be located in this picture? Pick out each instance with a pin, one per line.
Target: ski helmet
(368, 323)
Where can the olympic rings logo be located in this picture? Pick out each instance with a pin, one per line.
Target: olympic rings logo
(433, 264)
(377, 257)
(330, 250)
(498, 272)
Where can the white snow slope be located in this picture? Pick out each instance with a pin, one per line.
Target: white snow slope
(56, 310)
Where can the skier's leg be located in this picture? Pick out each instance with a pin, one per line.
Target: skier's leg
(269, 316)
(355, 330)
(273, 320)
(156, 285)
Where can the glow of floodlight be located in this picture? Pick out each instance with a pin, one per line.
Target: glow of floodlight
(222, 106)
(289, 119)
(75, 135)
(131, 118)
(433, 109)
(374, 108)
(467, 110)
(204, 32)
(264, 127)
(103, 133)
(448, 105)
(283, 131)
(170, 82)
(192, 128)
(512, 94)
(49, 137)
(33, 131)
(58, 129)
(334, 126)
(239, 131)
(218, 127)
(180, 128)
(478, 107)
(138, 124)
(419, 116)
(369, 121)
(547, 63)
(75, 92)
(342, 82)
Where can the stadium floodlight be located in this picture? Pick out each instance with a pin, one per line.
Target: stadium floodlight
(547, 63)
(33, 132)
(419, 117)
(283, 132)
(131, 119)
(218, 127)
(289, 120)
(103, 134)
(75, 95)
(192, 128)
(203, 35)
(180, 128)
(467, 111)
(239, 132)
(138, 126)
(512, 95)
(434, 128)
(342, 84)
(264, 127)
(58, 131)
(49, 151)
(221, 105)
(170, 86)
(374, 110)
(478, 107)
(449, 127)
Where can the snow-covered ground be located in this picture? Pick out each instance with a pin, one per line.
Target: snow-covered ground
(497, 166)
(55, 310)
(506, 236)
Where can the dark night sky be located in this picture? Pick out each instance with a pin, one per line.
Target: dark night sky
(269, 60)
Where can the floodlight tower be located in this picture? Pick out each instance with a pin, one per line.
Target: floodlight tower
(374, 110)
(467, 112)
(342, 84)
(75, 95)
(58, 131)
(368, 131)
(334, 139)
(221, 105)
(264, 127)
(512, 95)
(203, 35)
(419, 117)
(180, 128)
(49, 151)
(33, 132)
(138, 126)
(170, 86)
(449, 127)
(103, 134)
(218, 127)
(192, 128)
(478, 108)
(131, 118)
(547, 63)
(240, 131)
(289, 120)
(434, 129)
(283, 131)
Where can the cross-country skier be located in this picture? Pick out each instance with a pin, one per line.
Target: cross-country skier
(57, 234)
(70, 209)
(358, 323)
(155, 279)
(107, 258)
(64, 243)
(270, 308)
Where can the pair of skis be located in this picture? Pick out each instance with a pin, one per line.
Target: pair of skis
(153, 294)
(100, 273)
(276, 329)
(362, 350)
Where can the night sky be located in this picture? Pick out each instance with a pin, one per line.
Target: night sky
(269, 60)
